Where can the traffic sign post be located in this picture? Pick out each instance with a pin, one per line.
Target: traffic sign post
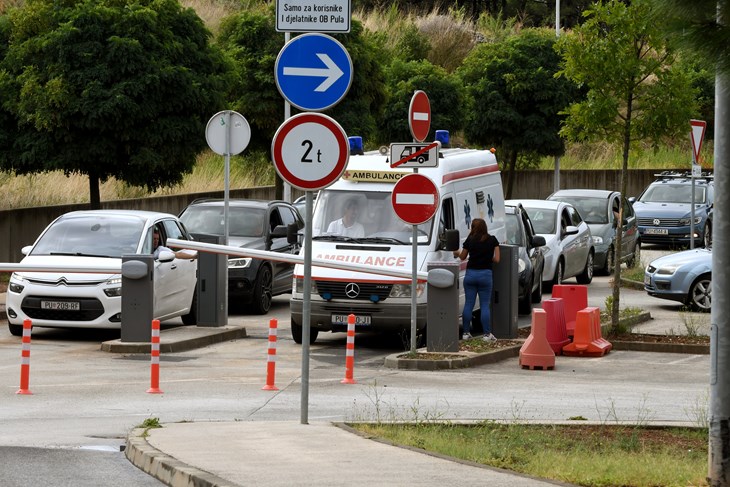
(419, 116)
(696, 135)
(404, 154)
(313, 72)
(313, 16)
(415, 199)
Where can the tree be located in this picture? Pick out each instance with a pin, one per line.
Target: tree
(516, 97)
(445, 94)
(634, 93)
(107, 88)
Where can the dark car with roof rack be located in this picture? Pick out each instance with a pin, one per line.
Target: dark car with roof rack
(665, 209)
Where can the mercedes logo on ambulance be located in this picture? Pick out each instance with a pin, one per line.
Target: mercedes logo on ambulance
(352, 290)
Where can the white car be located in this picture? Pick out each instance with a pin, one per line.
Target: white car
(569, 248)
(91, 300)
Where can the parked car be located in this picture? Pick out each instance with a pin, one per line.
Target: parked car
(254, 224)
(569, 247)
(599, 209)
(86, 300)
(301, 202)
(683, 276)
(664, 209)
(530, 262)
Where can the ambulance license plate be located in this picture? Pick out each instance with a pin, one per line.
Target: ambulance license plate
(342, 319)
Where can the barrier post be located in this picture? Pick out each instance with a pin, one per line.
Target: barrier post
(155, 359)
(271, 358)
(350, 352)
(25, 360)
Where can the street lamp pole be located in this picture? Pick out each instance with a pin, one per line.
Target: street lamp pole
(556, 175)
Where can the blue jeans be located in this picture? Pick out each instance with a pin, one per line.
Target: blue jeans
(478, 282)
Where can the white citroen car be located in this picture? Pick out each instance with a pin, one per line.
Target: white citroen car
(91, 300)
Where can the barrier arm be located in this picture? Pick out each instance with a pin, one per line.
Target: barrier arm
(290, 258)
(21, 267)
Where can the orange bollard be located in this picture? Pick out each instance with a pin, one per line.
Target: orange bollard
(537, 351)
(575, 298)
(271, 358)
(585, 341)
(155, 359)
(25, 360)
(350, 352)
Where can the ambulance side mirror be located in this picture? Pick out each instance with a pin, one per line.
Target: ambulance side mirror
(451, 240)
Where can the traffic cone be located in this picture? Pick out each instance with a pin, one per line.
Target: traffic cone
(271, 358)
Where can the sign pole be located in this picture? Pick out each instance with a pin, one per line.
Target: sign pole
(226, 198)
(306, 307)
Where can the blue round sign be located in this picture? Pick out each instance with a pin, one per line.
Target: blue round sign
(313, 72)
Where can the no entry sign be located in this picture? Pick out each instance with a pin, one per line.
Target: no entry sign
(419, 116)
(415, 199)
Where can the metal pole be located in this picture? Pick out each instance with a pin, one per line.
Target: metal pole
(287, 115)
(226, 198)
(414, 287)
(719, 453)
(306, 306)
(556, 174)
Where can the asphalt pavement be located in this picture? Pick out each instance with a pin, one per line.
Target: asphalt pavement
(321, 453)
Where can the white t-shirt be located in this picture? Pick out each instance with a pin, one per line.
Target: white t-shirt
(337, 227)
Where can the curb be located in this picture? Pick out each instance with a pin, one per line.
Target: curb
(179, 339)
(454, 360)
(165, 468)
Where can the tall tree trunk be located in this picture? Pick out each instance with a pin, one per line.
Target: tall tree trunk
(94, 197)
(279, 188)
(511, 169)
(619, 224)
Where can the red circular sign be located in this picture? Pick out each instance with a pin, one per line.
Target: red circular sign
(419, 115)
(415, 199)
(310, 151)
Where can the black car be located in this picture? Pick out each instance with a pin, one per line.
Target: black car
(531, 260)
(254, 224)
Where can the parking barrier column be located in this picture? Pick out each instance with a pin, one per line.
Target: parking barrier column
(25, 360)
(271, 358)
(350, 352)
(155, 359)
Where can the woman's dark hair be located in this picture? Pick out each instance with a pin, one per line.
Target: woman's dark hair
(479, 230)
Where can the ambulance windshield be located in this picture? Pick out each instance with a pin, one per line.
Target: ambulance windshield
(362, 217)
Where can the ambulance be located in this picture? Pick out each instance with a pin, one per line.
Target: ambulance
(470, 186)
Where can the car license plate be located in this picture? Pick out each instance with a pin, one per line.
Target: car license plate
(342, 319)
(61, 305)
(656, 231)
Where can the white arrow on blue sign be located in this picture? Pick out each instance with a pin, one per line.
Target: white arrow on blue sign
(313, 72)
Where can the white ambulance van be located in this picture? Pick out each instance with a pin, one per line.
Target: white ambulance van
(470, 187)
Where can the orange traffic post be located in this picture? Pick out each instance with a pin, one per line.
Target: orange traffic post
(537, 351)
(155, 359)
(25, 360)
(271, 358)
(350, 352)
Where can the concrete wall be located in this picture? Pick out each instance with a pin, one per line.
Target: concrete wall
(20, 227)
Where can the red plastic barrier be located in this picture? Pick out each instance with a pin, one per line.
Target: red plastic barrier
(536, 351)
(557, 334)
(575, 298)
(271, 358)
(155, 359)
(585, 341)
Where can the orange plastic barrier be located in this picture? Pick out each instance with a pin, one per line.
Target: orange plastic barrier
(575, 298)
(536, 351)
(350, 352)
(155, 359)
(557, 334)
(25, 360)
(271, 358)
(587, 340)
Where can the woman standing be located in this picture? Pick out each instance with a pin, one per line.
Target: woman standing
(482, 250)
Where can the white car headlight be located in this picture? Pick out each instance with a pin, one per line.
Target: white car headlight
(521, 265)
(240, 263)
(597, 240)
(116, 289)
(668, 270)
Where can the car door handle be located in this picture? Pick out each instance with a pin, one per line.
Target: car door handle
(173, 266)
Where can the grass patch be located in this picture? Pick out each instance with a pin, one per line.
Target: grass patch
(148, 424)
(633, 273)
(592, 455)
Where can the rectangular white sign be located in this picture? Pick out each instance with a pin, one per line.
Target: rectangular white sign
(414, 154)
(313, 15)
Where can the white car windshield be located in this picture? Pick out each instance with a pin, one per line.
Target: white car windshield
(363, 217)
(673, 193)
(85, 235)
(543, 220)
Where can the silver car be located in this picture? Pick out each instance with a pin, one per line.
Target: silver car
(599, 209)
(685, 277)
(568, 246)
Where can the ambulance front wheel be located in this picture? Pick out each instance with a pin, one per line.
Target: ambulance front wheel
(296, 333)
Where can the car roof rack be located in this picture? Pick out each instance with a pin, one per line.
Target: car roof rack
(667, 175)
